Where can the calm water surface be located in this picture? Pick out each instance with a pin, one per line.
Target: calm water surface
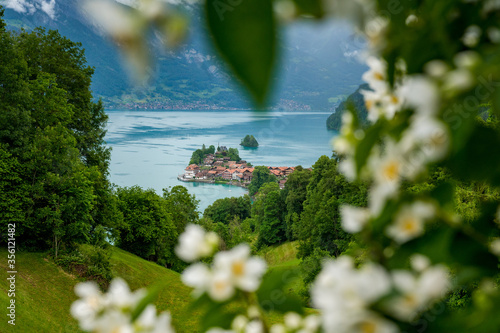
(150, 148)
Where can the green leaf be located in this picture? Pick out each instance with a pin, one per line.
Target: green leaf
(272, 295)
(471, 253)
(310, 7)
(444, 194)
(372, 136)
(215, 317)
(244, 32)
(148, 299)
(483, 148)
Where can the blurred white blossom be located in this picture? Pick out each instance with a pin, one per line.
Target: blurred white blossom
(410, 220)
(112, 312)
(417, 291)
(344, 294)
(353, 218)
(195, 243)
(293, 322)
(231, 270)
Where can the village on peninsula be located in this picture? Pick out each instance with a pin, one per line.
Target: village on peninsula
(225, 166)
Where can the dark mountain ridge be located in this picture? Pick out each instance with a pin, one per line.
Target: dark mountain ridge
(317, 70)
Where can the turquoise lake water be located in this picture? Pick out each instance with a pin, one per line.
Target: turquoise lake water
(150, 148)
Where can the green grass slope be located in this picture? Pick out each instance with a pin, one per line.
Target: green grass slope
(283, 258)
(44, 292)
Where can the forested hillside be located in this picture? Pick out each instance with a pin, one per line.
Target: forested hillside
(313, 76)
(356, 102)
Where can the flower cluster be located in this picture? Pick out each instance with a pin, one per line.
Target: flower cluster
(250, 323)
(348, 297)
(113, 311)
(294, 323)
(390, 162)
(230, 271)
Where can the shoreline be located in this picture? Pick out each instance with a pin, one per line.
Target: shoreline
(211, 181)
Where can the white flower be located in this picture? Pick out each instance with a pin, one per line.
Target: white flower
(421, 93)
(293, 322)
(147, 319)
(286, 11)
(436, 68)
(427, 139)
(163, 324)
(458, 80)
(347, 167)
(495, 247)
(195, 243)
(311, 324)
(85, 310)
(382, 104)
(376, 76)
(353, 218)
(419, 262)
(417, 292)
(375, 30)
(411, 19)
(471, 36)
(343, 293)
(493, 34)
(388, 171)
(221, 286)
(242, 324)
(244, 271)
(254, 326)
(197, 276)
(120, 296)
(410, 220)
(150, 323)
(278, 328)
(373, 282)
(230, 270)
(342, 145)
(388, 167)
(357, 11)
(112, 312)
(113, 321)
(467, 59)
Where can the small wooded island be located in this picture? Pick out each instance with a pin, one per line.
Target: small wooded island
(249, 141)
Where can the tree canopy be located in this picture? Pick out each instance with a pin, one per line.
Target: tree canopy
(249, 141)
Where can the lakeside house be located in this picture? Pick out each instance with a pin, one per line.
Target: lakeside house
(213, 168)
(191, 171)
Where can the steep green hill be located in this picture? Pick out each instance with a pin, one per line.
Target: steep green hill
(355, 100)
(44, 292)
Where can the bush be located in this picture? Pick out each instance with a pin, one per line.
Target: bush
(88, 262)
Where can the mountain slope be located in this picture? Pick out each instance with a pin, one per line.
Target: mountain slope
(44, 292)
(318, 65)
(355, 100)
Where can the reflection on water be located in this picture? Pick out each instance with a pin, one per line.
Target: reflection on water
(150, 148)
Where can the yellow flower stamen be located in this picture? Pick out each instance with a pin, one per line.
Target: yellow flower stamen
(391, 170)
(409, 225)
(238, 268)
(368, 327)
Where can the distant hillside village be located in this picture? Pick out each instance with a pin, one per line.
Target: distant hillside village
(219, 166)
